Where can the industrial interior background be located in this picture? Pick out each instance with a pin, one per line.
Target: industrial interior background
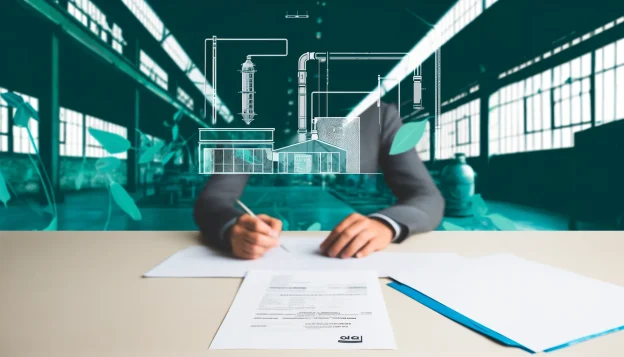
(532, 93)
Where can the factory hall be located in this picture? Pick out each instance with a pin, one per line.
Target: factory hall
(114, 114)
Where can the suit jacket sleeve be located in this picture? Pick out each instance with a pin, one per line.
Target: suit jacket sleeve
(420, 206)
(216, 207)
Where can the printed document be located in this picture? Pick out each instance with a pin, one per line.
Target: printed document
(307, 310)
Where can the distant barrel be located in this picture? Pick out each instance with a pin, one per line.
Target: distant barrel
(247, 92)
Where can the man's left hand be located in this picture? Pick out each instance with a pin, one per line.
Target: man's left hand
(357, 236)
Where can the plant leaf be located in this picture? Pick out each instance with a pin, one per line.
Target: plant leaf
(124, 201)
(28, 175)
(148, 155)
(53, 226)
(316, 226)
(448, 226)
(178, 115)
(479, 207)
(5, 196)
(21, 117)
(12, 99)
(175, 131)
(113, 143)
(107, 164)
(32, 113)
(502, 223)
(407, 137)
(79, 180)
(167, 157)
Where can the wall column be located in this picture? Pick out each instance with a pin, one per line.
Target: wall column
(133, 172)
(49, 124)
(486, 87)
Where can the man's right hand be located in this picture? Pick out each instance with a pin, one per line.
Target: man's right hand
(251, 237)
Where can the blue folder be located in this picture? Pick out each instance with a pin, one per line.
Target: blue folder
(473, 325)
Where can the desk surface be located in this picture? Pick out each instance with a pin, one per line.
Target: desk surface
(76, 294)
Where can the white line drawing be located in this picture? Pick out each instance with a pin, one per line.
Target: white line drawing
(235, 151)
(248, 96)
(325, 57)
(332, 144)
(297, 16)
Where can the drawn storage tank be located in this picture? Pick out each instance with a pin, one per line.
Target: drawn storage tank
(247, 92)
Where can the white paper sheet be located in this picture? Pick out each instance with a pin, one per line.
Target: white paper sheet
(298, 245)
(538, 306)
(307, 310)
(199, 261)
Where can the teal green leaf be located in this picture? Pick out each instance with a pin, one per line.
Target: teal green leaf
(175, 131)
(79, 180)
(502, 223)
(479, 207)
(178, 115)
(316, 226)
(112, 143)
(167, 157)
(5, 196)
(107, 164)
(12, 99)
(32, 113)
(21, 117)
(124, 201)
(149, 154)
(448, 226)
(167, 125)
(407, 137)
(53, 226)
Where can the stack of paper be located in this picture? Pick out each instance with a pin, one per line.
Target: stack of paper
(519, 302)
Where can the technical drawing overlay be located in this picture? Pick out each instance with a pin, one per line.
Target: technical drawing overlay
(342, 132)
(330, 145)
(247, 73)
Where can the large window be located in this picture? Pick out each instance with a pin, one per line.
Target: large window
(4, 124)
(185, 98)
(423, 148)
(21, 139)
(542, 112)
(152, 70)
(460, 15)
(94, 19)
(609, 69)
(571, 99)
(144, 13)
(71, 133)
(459, 131)
(93, 147)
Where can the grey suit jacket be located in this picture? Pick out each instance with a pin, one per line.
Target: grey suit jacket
(419, 207)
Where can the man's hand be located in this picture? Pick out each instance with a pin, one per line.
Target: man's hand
(357, 236)
(252, 237)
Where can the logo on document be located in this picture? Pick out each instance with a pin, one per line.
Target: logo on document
(350, 339)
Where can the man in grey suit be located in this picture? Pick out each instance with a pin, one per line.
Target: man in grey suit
(419, 206)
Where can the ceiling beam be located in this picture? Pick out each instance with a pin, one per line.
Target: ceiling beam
(76, 30)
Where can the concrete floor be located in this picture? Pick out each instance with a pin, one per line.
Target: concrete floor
(300, 207)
